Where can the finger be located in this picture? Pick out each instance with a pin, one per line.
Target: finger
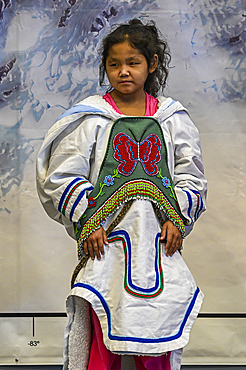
(176, 244)
(105, 239)
(91, 250)
(99, 242)
(96, 247)
(169, 243)
(163, 234)
(85, 247)
(100, 246)
(170, 251)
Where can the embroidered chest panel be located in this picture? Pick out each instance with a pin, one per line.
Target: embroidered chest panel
(135, 166)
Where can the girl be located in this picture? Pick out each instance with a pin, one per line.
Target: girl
(124, 174)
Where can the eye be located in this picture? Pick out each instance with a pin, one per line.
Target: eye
(133, 63)
(113, 64)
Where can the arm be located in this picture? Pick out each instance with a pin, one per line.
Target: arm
(189, 180)
(67, 168)
(188, 176)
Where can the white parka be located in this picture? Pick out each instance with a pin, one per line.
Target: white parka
(144, 307)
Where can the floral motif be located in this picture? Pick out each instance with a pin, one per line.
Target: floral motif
(166, 182)
(108, 180)
(91, 202)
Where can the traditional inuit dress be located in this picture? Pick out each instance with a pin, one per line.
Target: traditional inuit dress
(94, 161)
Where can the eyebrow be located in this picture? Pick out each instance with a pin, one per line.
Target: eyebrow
(112, 59)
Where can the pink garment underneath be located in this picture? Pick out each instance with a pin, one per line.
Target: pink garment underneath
(151, 104)
(101, 358)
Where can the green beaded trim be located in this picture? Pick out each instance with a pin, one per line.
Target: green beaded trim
(135, 189)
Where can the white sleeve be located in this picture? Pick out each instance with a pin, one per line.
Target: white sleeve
(189, 180)
(63, 173)
(67, 183)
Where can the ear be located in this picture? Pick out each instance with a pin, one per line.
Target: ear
(154, 64)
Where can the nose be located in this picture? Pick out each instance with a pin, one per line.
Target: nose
(124, 71)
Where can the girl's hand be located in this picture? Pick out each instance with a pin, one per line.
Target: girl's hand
(93, 245)
(172, 236)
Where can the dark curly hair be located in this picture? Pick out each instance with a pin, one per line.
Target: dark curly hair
(148, 41)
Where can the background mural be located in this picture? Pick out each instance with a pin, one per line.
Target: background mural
(48, 62)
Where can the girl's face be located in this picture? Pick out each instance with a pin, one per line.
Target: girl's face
(127, 69)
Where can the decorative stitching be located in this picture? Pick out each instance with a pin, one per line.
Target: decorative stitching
(125, 145)
(80, 196)
(133, 119)
(84, 258)
(199, 203)
(132, 190)
(67, 193)
(190, 203)
(137, 339)
(128, 152)
(199, 206)
(131, 288)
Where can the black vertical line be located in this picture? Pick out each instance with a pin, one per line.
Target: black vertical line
(33, 326)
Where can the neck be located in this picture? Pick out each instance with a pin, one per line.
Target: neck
(128, 104)
(138, 96)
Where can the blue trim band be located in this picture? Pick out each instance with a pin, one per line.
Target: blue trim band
(65, 193)
(136, 339)
(190, 203)
(129, 270)
(201, 206)
(80, 196)
(172, 102)
(80, 108)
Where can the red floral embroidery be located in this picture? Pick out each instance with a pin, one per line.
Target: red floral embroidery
(92, 202)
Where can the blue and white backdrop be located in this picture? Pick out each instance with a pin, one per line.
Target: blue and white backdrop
(48, 62)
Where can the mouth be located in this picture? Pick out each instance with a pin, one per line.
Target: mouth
(125, 82)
